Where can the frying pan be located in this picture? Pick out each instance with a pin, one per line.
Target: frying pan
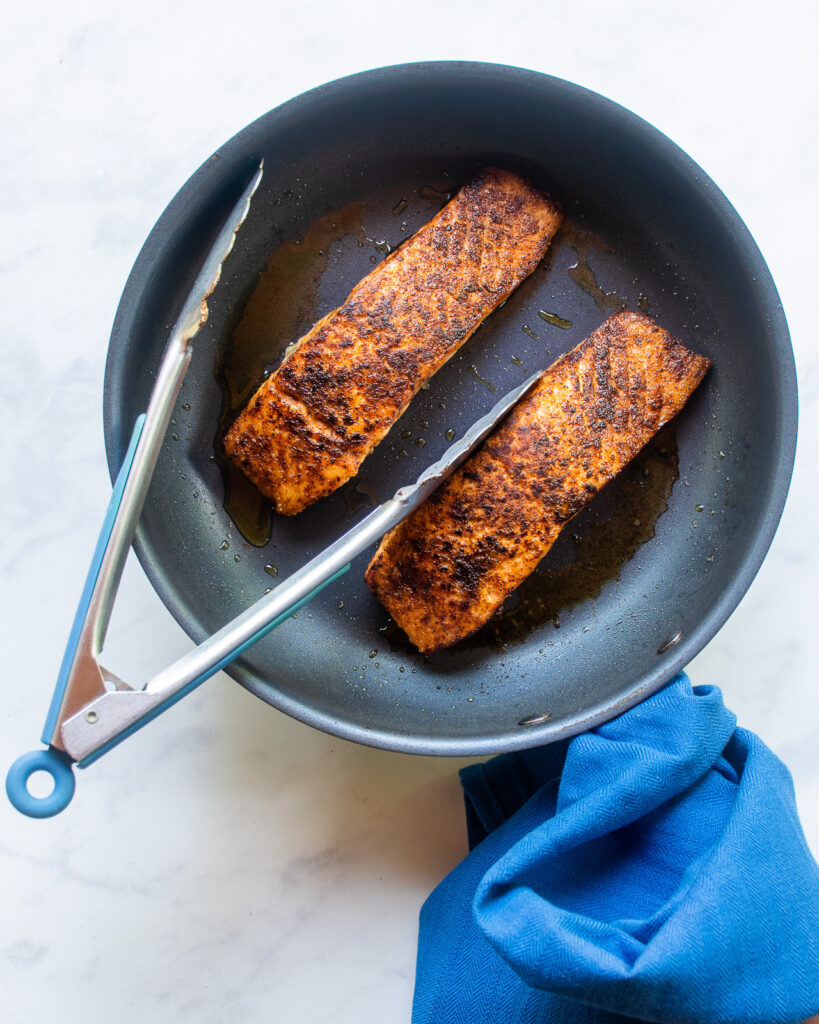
(642, 579)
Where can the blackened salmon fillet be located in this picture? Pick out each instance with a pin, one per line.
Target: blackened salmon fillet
(314, 420)
(444, 571)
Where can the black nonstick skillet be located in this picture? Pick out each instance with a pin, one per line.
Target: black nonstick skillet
(641, 580)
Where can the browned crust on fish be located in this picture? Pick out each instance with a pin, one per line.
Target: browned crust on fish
(312, 422)
(444, 571)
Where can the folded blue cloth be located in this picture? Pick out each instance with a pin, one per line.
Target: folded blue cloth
(653, 869)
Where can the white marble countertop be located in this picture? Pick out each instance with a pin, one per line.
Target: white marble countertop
(229, 863)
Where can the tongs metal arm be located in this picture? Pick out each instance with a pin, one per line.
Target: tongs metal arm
(81, 677)
(107, 720)
(150, 437)
(113, 716)
(81, 680)
(92, 710)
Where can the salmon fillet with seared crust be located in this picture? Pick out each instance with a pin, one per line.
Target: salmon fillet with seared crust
(444, 571)
(311, 424)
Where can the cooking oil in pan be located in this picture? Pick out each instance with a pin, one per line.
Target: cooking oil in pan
(282, 305)
(486, 383)
(554, 319)
(427, 192)
(363, 495)
(583, 241)
(595, 546)
(590, 552)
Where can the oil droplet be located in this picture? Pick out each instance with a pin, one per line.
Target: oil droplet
(483, 380)
(583, 276)
(271, 570)
(554, 319)
(176, 437)
(372, 654)
(380, 244)
(420, 442)
(433, 193)
(186, 406)
(529, 331)
(399, 207)
(406, 433)
(642, 302)
(237, 558)
(424, 424)
(362, 495)
(224, 546)
(450, 434)
(583, 241)
(699, 508)
(516, 361)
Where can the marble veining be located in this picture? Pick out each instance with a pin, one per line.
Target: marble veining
(228, 863)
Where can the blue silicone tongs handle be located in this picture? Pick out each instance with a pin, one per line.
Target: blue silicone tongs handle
(130, 489)
(54, 761)
(51, 760)
(212, 670)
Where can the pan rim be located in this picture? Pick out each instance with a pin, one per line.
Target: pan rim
(174, 217)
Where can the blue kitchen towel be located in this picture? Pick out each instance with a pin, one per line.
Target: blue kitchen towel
(653, 869)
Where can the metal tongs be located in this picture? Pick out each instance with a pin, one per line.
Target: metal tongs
(92, 710)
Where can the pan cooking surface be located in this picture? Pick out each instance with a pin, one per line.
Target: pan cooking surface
(351, 170)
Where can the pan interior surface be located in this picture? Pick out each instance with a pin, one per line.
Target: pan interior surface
(664, 555)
